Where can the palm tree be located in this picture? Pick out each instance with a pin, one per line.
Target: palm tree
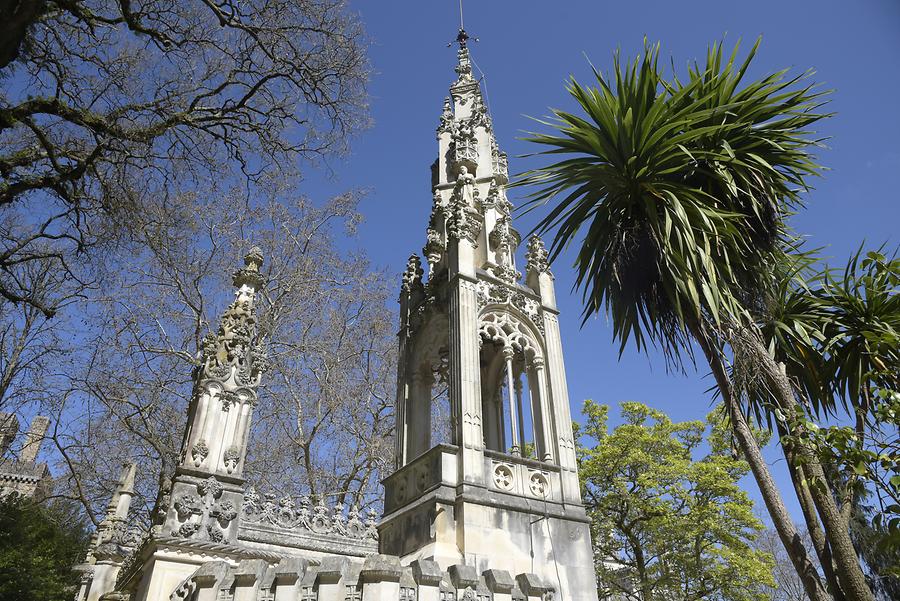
(676, 194)
(838, 338)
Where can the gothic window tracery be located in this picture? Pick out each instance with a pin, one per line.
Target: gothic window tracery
(514, 392)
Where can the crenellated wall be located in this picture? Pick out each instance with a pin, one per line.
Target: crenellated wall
(377, 578)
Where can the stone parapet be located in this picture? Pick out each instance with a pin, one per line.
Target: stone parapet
(377, 578)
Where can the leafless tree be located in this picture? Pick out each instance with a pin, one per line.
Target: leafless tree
(111, 108)
(788, 586)
(323, 422)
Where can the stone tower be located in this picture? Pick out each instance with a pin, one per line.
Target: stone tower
(485, 470)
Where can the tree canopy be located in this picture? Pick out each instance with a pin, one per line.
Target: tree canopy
(668, 524)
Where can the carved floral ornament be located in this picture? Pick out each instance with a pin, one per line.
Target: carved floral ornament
(211, 510)
(317, 519)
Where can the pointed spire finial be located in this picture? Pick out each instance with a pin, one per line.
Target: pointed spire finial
(249, 279)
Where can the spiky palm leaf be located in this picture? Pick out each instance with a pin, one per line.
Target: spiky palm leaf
(675, 192)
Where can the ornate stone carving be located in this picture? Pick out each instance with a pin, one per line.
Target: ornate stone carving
(500, 294)
(479, 116)
(229, 398)
(231, 457)
(434, 247)
(464, 222)
(503, 476)
(211, 511)
(199, 452)
(536, 255)
(500, 165)
(446, 124)
(412, 276)
(234, 350)
(538, 484)
(508, 331)
(317, 519)
(465, 147)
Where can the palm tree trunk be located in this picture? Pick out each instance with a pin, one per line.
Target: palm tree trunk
(816, 535)
(848, 570)
(781, 519)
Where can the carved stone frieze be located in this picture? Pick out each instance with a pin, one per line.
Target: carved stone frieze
(286, 514)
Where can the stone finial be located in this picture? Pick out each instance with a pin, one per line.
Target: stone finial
(120, 502)
(34, 438)
(536, 256)
(412, 276)
(249, 276)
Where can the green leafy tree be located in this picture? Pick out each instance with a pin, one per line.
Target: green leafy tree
(668, 526)
(675, 193)
(38, 548)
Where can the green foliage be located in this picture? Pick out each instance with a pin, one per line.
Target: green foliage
(670, 526)
(675, 190)
(838, 336)
(38, 548)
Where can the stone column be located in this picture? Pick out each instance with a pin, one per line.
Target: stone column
(521, 412)
(510, 389)
(465, 387)
(543, 392)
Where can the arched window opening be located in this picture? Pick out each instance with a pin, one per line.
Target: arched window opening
(514, 392)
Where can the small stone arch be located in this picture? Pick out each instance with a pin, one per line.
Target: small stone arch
(505, 328)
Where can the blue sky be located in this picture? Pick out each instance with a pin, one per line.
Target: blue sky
(527, 50)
